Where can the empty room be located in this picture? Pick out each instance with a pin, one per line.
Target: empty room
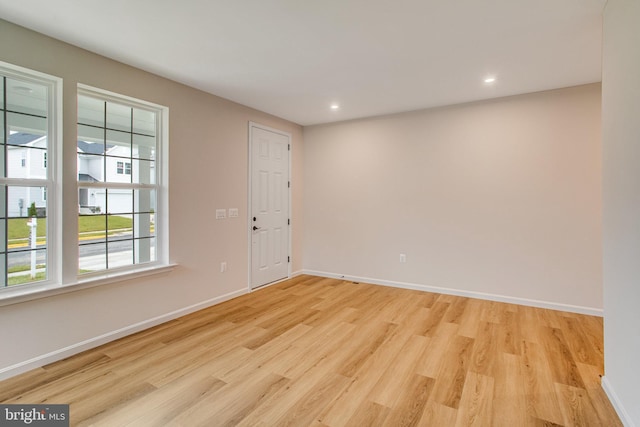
(356, 213)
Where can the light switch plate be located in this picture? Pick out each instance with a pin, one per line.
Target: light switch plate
(233, 212)
(221, 213)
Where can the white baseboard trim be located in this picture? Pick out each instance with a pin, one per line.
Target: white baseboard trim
(615, 401)
(460, 292)
(62, 353)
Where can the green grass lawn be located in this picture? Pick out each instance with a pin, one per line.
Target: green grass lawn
(18, 268)
(91, 226)
(91, 223)
(19, 280)
(18, 228)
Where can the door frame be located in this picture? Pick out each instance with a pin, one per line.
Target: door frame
(251, 126)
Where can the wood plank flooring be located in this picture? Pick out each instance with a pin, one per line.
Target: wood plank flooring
(323, 352)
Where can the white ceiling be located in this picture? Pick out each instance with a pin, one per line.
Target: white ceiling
(294, 58)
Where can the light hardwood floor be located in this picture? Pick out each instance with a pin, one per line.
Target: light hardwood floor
(323, 352)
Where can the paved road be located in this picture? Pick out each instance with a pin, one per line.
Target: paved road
(18, 257)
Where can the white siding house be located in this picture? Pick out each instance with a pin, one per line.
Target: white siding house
(27, 158)
(94, 165)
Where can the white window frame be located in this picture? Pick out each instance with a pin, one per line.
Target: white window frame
(62, 244)
(52, 182)
(161, 214)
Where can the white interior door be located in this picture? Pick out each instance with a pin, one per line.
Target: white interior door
(269, 220)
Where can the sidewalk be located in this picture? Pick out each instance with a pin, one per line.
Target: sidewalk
(87, 235)
(94, 262)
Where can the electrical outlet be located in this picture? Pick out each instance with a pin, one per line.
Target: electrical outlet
(403, 257)
(233, 212)
(221, 213)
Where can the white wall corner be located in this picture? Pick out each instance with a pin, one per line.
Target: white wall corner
(617, 405)
(297, 273)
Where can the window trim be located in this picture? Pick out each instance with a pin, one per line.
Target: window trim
(22, 293)
(53, 180)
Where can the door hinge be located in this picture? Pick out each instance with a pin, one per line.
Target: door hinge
(288, 221)
(288, 147)
(288, 184)
(288, 259)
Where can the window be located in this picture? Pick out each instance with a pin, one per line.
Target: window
(122, 189)
(123, 168)
(28, 129)
(120, 213)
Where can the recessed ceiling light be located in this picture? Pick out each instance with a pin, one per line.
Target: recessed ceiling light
(334, 106)
(490, 80)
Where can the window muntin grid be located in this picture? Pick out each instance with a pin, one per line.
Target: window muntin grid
(25, 139)
(117, 190)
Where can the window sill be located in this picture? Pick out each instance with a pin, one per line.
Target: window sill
(20, 294)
